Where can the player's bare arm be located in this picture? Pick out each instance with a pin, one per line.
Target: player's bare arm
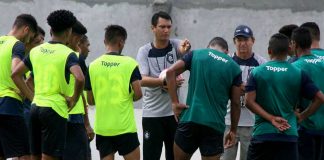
(78, 88)
(172, 72)
(136, 85)
(280, 123)
(17, 77)
(230, 137)
(316, 103)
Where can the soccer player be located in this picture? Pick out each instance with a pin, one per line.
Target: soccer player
(76, 146)
(84, 51)
(13, 131)
(202, 121)
(316, 37)
(273, 97)
(37, 40)
(158, 121)
(247, 59)
(287, 31)
(113, 84)
(84, 45)
(311, 131)
(51, 64)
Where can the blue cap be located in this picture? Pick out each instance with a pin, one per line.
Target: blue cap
(244, 31)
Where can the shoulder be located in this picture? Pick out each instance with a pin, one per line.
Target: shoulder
(203, 50)
(129, 59)
(71, 55)
(13, 40)
(37, 49)
(95, 61)
(260, 68)
(145, 48)
(259, 59)
(68, 50)
(228, 57)
(175, 42)
(298, 62)
(19, 44)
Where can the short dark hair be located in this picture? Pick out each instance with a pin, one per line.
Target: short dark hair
(79, 28)
(113, 32)
(302, 37)
(84, 39)
(40, 30)
(61, 20)
(288, 29)
(314, 30)
(279, 44)
(161, 14)
(26, 20)
(218, 41)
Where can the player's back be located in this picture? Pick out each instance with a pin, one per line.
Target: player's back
(313, 66)
(318, 52)
(278, 86)
(214, 70)
(48, 65)
(110, 80)
(7, 86)
(211, 77)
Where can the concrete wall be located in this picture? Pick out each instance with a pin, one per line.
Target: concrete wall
(198, 21)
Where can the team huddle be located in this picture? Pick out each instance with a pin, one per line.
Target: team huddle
(273, 109)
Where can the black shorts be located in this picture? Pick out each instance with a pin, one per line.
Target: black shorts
(27, 105)
(124, 144)
(76, 146)
(190, 136)
(14, 140)
(310, 146)
(48, 132)
(268, 150)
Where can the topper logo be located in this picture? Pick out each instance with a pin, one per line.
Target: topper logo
(314, 61)
(46, 51)
(217, 57)
(109, 64)
(320, 57)
(276, 69)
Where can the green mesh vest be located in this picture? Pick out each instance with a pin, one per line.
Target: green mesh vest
(7, 86)
(48, 61)
(110, 80)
